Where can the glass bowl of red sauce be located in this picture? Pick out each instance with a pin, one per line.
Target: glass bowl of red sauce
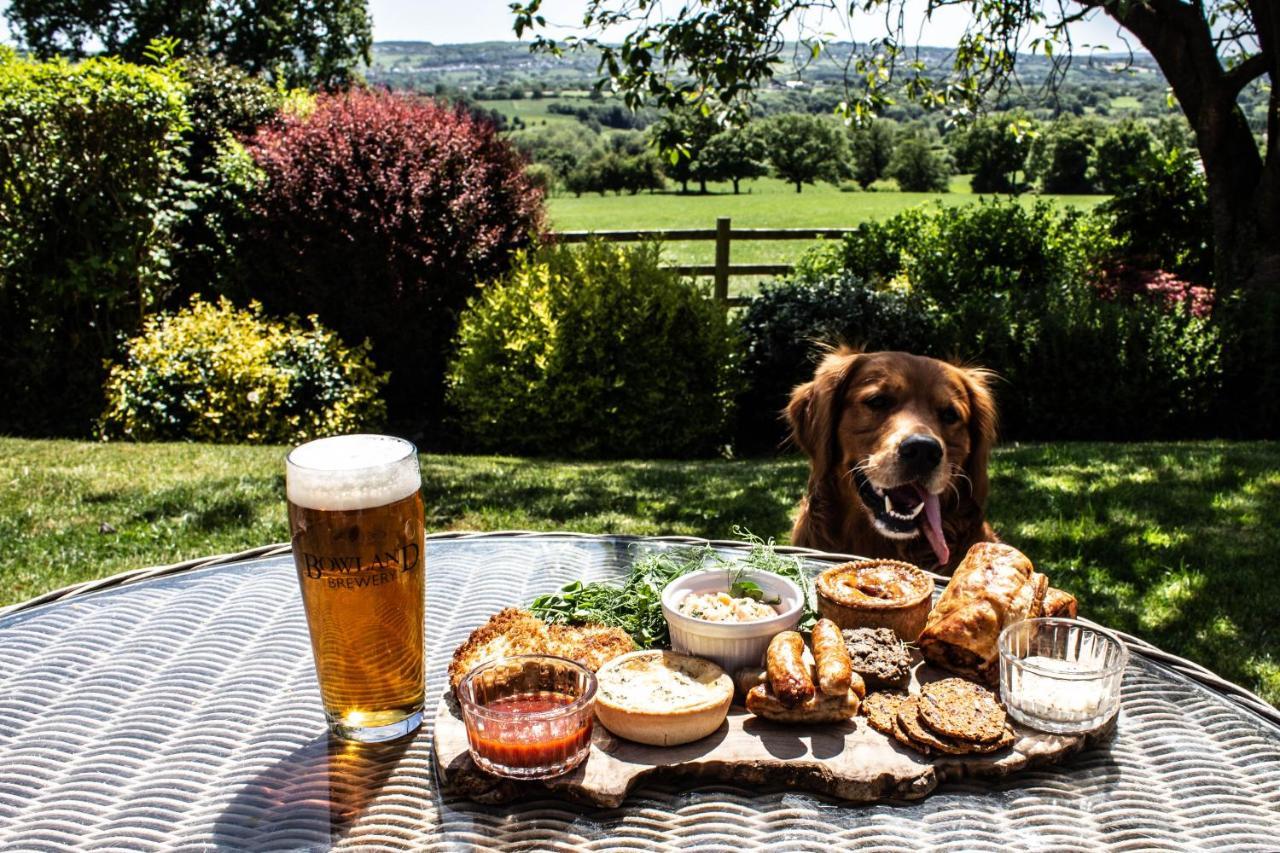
(528, 716)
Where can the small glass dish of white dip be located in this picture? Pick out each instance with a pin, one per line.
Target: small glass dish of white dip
(1060, 675)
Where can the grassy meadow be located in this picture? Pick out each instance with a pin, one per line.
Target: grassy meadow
(1173, 542)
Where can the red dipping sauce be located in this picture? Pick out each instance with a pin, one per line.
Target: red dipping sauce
(516, 731)
(528, 716)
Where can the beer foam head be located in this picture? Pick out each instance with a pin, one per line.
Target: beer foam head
(349, 472)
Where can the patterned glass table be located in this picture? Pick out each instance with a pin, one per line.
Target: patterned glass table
(177, 708)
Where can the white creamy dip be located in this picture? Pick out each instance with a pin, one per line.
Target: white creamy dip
(1063, 699)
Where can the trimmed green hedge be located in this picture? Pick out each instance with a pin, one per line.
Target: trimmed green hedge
(594, 351)
(88, 196)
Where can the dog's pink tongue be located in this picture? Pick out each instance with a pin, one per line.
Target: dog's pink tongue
(933, 527)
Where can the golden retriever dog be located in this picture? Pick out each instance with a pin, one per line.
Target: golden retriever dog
(897, 448)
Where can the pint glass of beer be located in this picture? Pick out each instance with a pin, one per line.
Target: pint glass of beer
(355, 513)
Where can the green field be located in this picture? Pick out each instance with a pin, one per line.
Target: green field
(765, 203)
(1173, 542)
(533, 111)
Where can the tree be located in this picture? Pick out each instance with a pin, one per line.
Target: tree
(720, 54)
(679, 137)
(872, 147)
(307, 43)
(994, 149)
(917, 167)
(804, 149)
(562, 147)
(1060, 156)
(1120, 155)
(735, 155)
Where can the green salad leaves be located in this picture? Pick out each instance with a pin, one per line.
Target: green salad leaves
(636, 605)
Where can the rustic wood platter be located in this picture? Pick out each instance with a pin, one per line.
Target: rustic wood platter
(848, 761)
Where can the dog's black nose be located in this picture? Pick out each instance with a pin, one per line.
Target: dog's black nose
(920, 454)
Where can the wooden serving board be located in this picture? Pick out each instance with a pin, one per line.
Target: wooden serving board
(849, 761)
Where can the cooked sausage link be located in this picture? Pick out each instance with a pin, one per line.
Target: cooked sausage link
(788, 673)
(762, 702)
(835, 667)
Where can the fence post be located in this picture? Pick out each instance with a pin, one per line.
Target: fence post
(722, 260)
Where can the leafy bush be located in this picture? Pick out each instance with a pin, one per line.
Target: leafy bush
(223, 99)
(379, 214)
(787, 326)
(211, 372)
(219, 178)
(1008, 288)
(89, 196)
(1160, 218)
(595, 351)
(1114, 370)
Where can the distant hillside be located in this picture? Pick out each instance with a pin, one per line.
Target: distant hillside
(423, 65)
(505, 73)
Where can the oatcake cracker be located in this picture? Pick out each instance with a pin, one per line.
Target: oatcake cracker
(1006, 739)
(961, 710)
(881, 709)
(909, 719)
(901, 736)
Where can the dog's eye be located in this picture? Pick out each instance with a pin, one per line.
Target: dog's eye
(878, 402)
(949, 415)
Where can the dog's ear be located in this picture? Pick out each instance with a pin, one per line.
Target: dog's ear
(814, 412)
(982, 430)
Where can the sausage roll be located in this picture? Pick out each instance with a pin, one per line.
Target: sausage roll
(994, 586)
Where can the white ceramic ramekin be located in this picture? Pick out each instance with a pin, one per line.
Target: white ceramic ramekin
(733, 645)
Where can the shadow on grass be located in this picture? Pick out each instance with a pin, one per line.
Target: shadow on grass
(1173, 543)
(206, 507)
(706, 498)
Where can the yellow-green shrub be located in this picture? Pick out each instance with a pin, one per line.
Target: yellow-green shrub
(594, 351)
(212, 372)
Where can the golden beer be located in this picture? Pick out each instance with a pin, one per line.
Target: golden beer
(356, 516)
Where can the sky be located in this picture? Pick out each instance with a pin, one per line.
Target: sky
(447, 22)
(452, 21)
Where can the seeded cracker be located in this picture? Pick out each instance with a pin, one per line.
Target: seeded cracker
(959, 709)
(909, 719)
(1006, 739)
(901, 736)
(881, 709)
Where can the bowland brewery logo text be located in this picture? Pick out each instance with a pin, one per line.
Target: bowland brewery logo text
(354, 571)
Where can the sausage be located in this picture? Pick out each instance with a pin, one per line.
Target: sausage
(835, 667)
(788, 672)
(762, 702)
(748, 677)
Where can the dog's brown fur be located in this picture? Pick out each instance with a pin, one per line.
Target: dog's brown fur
(835, 425)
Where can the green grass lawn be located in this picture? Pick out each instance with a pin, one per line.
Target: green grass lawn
(1174, 542)
(765, 203)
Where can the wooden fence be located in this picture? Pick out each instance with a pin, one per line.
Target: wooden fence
(723, 234)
